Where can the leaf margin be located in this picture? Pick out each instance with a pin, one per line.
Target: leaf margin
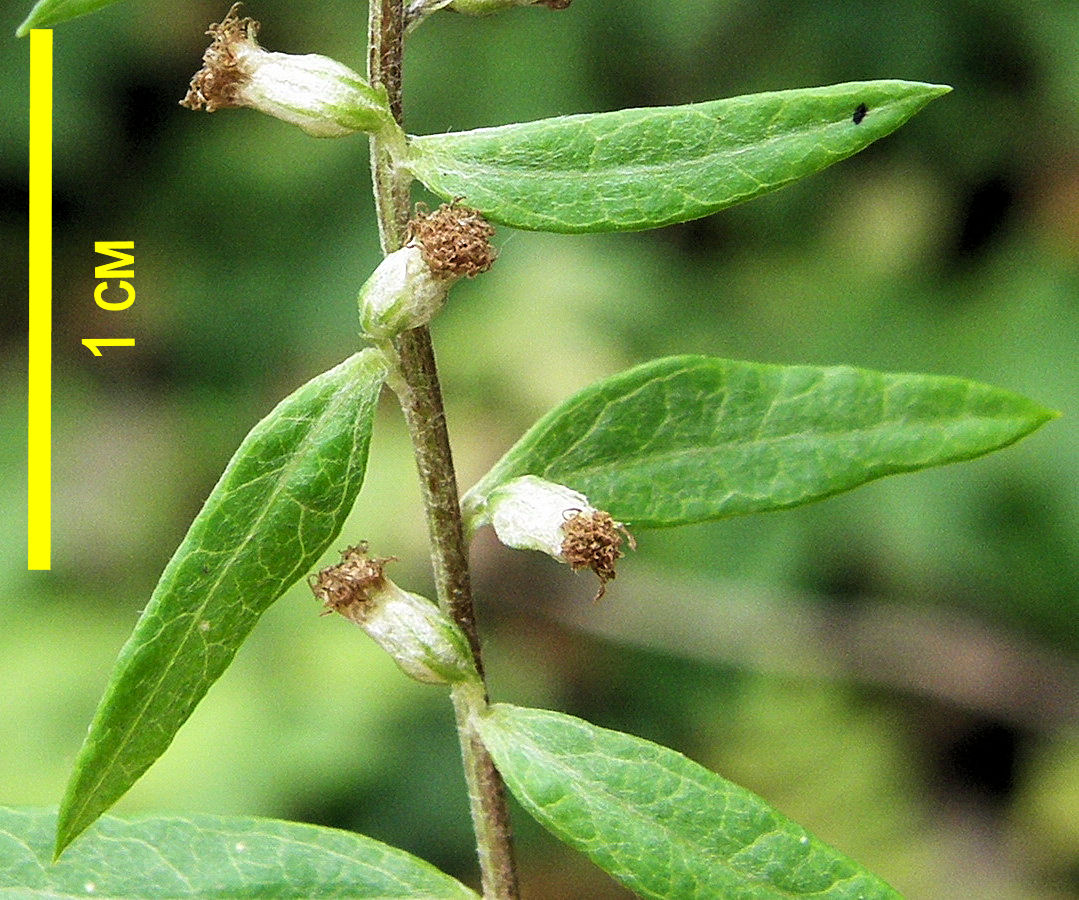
(502, 742)
(432, 158)
(82, 803)
(48, 13)
(358, 851)
(514, 462)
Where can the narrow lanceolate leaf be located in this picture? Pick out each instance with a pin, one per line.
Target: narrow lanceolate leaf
(209, 856)
(690, 438)
(280, 502)
(47, 13)
(642, 168)
(658, 822)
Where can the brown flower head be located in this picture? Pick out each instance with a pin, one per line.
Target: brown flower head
(530, 513)
(594, 541)
(216, 84)
(348, 587)
(455, 240)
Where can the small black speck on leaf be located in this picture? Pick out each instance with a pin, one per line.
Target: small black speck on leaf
(859, 113)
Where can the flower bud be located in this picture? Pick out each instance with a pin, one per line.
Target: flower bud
(422, 640)
(402, 293)
(322, 96)
(529, 513)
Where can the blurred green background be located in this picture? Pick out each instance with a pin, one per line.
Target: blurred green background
(896, 668)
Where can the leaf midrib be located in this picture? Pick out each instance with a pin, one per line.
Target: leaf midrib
(341, 396)
(630, 461)
(492, 167)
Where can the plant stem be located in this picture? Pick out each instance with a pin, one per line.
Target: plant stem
(417, 387)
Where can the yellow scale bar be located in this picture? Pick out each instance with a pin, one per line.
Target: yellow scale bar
(39, 443)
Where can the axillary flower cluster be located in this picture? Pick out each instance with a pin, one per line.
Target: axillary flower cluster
(328, 99)
(527, 513)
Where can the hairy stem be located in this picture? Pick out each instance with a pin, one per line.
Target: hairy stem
(385, 51)
(417, 386)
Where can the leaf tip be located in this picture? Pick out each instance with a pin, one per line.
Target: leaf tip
(918, 95)
(63, 839)
(923, 92)
(1035, 416)
(71, 819)
(1045, 415)
(33, 20)
(926, 92)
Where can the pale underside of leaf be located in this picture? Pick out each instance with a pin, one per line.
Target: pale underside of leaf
(280, 502)
(658, 822)
(691, 438)
(644, 168)
(206, 857)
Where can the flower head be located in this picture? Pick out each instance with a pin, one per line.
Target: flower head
(529, 513)
(411, 284)
(322, 96)
(423, 642)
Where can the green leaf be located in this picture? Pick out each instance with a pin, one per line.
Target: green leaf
(642, 168)
(47, 13)
(655, 820)
(690, 438)
(207, 857)
(280, 502)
